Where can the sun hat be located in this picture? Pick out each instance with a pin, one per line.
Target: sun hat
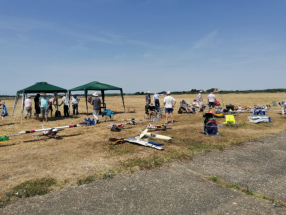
(148, 92)
(201, 91)
(168, 93)
(156, 92)
(95, 94)
(29, 97)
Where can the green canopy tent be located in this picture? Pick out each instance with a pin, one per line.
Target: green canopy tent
(97, 86)
(39, 87)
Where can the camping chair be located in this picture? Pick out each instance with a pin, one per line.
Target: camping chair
(147, 112)
(183, 110)
(210, 124)
(108, 114)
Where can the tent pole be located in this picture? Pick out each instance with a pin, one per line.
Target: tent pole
(103, 97)
(22, 107)
(121, 91)
(85, 94)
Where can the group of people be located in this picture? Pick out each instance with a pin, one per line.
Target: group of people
(170, 102)
(43, 105)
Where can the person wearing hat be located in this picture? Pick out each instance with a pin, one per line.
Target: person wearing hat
(156, 99)
(28, 107)
(96, 102)
(75, 101)
(44, 104)
(65, 102)
(148, 98)
(200, 100)
(169, 103)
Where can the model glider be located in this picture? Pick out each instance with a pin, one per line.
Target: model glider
(258, 119)
(49, 132)
(138, 140)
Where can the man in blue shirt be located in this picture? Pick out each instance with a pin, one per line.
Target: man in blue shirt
(44, 104)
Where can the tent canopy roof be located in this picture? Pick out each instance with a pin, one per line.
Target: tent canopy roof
(40, 87)
(95, 85)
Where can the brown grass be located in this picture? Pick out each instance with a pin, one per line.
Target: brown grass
(85, 151)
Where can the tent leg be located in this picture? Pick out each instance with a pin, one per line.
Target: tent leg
(22, 108)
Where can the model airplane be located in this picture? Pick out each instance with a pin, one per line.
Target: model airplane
(133, 120)
(258, 119)
(157, 127)
(49, 132)
(153, 135)
(138, 140)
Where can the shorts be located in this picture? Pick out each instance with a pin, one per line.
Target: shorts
(211, 104)
(44, 110)
(51, 107)
(200, 104)
(168, 110)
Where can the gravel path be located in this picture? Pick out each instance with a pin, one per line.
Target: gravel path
(180, 187)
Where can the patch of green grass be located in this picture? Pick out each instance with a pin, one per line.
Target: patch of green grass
(89, 179)
(33, 187)
(214, 179)
(246, 191)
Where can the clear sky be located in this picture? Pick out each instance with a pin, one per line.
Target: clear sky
(143, 45)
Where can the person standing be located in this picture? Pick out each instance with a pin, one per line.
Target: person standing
(51, 103)
(156, 99)
(282, 103)
(28, 106)
(211, 100)
(169, 103)
(200, 101)
(148, 98)
(37, 105)
(96, 102)
(65, 102)
(44, 104)
(75, 101)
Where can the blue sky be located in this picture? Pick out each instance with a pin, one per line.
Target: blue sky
(143, 45)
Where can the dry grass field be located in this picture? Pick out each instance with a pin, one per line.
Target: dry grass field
(83, 153)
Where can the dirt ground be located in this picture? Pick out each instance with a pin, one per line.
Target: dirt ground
(85, 150)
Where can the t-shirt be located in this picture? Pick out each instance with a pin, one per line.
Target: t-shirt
(52, 100)
(282, 102)
(44, 101)
(36, 100)
(211, 97)
(75, 100)
(184, 104)
(28, 103)
(95, 101)
(169, 100)
(200, 97)
(151, 108)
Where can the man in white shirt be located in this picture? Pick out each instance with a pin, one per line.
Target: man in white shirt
(156, 99)
(66, 104)
(28, 106)
(169, 103)
(200, 100)
(282, 103)
(75, 101)
(211, 99)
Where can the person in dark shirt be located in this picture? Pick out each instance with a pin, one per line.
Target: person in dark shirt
(37, 105)
(96, 102)
(151, 110)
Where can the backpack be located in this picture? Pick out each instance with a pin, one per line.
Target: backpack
(114, 128)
